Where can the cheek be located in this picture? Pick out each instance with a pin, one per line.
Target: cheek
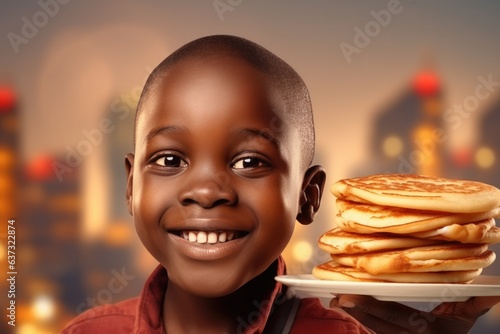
(287, 198)
(148, 206)
(276, 206)
(290, 194)
(152, 197)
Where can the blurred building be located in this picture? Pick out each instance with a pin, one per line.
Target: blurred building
(410, 136)
(487, 154)
(64, 274)
(52, 251)
(408, 133)
(9, 184)
(64, 270)
(9, 155)
(114, 251)
(479, 160)
(118, 143)
(47, 215)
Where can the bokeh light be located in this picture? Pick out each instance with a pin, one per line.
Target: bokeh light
(485, 157)
(462, 156)
(426, 83)
(2, 251)
(43, 307)
(7, 98)
(302, 251)
(29, 328)
(40, 168)
(392, 146)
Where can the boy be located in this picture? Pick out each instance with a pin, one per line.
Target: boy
(224, 141)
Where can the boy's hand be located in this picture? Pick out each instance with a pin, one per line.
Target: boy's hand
(392, 317)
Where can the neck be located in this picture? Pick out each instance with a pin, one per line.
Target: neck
(187, 313)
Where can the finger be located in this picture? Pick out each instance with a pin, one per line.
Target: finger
(393, 313)
(334, 303)
(374, 323)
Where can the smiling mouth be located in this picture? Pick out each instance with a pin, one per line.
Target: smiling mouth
(209, 237)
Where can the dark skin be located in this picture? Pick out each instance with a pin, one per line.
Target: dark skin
(202, 167)
(202, 164)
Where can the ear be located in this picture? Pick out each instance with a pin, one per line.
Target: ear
(312, 190)
(129, 170)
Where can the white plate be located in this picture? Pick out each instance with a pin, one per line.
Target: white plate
(308, 285)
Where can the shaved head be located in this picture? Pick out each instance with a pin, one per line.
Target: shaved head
(290, 88)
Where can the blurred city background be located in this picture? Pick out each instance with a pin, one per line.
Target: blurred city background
(397, 86)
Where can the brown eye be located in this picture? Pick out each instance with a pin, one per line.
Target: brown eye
(171, 161)
(248, 162)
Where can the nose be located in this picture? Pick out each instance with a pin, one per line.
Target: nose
(208, 189)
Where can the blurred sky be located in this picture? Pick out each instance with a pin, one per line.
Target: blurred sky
(90, 52)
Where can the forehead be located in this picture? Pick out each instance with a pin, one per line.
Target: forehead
(210, 89)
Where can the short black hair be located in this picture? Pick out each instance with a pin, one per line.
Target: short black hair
(298, 110)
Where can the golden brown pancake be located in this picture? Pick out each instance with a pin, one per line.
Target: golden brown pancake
(370, 218)
(464, 233)
(333, 271)
(443, 257)
(337, 241)
(419, 192)
(492, 236)
(385, 221)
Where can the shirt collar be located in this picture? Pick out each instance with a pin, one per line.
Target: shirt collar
(149, 309)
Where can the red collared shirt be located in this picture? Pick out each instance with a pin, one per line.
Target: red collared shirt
(143, 314)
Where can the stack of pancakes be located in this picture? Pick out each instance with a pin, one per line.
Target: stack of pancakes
(410, 228)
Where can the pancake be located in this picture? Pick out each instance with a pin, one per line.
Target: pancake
(436, 258)
(492, 236)
(410, 228)
(370, 218)
(465, 233)
(336, 272)
(337, 241)
(419, 192)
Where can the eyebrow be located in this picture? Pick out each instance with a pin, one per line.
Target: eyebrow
(266, 134)
(243, 133)
(163, 130)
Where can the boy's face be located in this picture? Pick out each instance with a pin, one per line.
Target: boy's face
(207, 168)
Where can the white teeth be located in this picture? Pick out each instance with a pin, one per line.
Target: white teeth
(203, 237)
(212, 238)
(222, 237)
